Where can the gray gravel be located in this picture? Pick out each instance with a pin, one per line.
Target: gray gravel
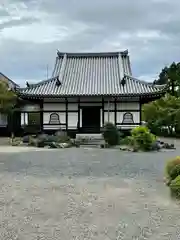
(86, 194)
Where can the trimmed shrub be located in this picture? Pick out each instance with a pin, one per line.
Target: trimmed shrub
(175, 172)
(25, 139)
(142, 138)
(40, 144)
(111, 134)
(170, 165)
(175, 187)
(126, 140)
(43, 137)
(32, 141)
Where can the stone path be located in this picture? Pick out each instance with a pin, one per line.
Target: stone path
(96, 194)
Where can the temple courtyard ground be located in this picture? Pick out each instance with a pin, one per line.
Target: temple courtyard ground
(88, 193)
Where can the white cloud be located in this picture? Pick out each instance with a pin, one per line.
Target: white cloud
(32, 30)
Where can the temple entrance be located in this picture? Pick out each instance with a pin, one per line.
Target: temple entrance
(91, 119)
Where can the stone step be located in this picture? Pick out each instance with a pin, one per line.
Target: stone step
(89, 136)
(90, 139)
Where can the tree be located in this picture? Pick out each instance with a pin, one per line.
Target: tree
(8, 98)
(164, 112)
(170, 76)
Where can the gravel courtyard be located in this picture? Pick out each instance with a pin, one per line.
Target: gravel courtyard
(86, 194)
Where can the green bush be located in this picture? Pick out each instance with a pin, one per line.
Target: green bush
(111, 134)
(171, 164)
(175, 172)
(126, 140)
(175, 186)
(142, 138)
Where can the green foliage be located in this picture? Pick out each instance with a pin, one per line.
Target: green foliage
(175, 172)
(175, 186)
(141, 138)
(126, 140)
(170, 165)
(8, 98)
(170, 76)
(164, 112)
(111, 134)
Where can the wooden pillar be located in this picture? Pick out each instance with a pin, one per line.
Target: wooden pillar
(41, 115)
(66, 113)
(115, 111)
(140, 109)
(78, 125)
(103, 111)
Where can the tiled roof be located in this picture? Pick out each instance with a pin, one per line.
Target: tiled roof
(91, 74)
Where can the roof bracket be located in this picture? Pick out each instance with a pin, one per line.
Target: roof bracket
(27, 84)
(124, 53)
(123, 81)
(58, 82)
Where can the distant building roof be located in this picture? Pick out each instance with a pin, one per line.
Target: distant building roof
(15, 84)
(91, 74)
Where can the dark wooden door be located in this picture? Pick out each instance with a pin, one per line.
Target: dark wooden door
(91, 119)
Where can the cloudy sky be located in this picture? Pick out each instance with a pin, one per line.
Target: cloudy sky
(32, 30)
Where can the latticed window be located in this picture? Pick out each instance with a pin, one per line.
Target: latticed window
(128, 118)
(54, 119)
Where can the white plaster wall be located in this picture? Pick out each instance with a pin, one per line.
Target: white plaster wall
(109, 106)
(111, 117)
(54, 107)
(73, 106)
(24, 119)
(3, 120)
(54, 127)
(72, 120)
(30, 107)
(136, 116)
(46, 118)
(126, 126)
(128, 106)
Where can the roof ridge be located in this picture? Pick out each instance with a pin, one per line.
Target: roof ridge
(91, 54)
(40, 83)
(146, 83)
(140, 81)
